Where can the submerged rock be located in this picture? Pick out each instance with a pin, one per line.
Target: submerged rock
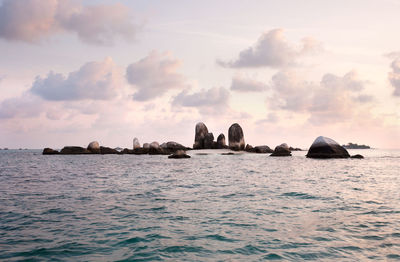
(94, 147)
(179, 154)
(324, 147)
(358, 156)
(74, 150)
(201, 131)
(136, 143)
(282, 150)
(50, 151)
(236, 137)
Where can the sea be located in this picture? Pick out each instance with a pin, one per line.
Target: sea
(211, 207)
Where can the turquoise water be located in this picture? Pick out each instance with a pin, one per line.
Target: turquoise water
(247, 207)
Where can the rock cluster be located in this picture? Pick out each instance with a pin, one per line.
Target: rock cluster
(205, 140)
(324, 147)
(258, 149)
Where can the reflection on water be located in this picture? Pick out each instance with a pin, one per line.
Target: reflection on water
(208, 207)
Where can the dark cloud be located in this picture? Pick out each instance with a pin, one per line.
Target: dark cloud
(240, 84)
(154, 75)
(94, 80)
(271, 50)
(33, 20)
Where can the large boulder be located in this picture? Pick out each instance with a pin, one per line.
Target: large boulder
(282, 150)
(136, 143)
(179, 154)
(262, 149)
(236, 137)
(221, 143)
(208, 141)
(146, 145)
(94, 147)
(324, 147)
(250, 149)
(200, 133)
(49, 151)
(74, 150)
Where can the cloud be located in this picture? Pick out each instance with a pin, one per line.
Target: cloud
(94, 80)
(272, 50)
(34, 20)
(214, 100)
(334, 99)
(240, 84)
(154, 75)
(394, 76)
(24, 106)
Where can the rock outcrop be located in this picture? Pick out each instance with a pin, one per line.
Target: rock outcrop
(74, 150)
(282, 150)
(200, 133)
(208, 141)
(136, 143)
(50, 151)
(108, 150)
(324, 147)
(236, 137)
(221, 143)
(94, 147)
(179, 154)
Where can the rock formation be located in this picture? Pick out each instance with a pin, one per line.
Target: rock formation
(324, 147)
(236, 137)
(107, 150)
(200, 133)
(221, 143)
(94, 147)
(146, 145)
(136, 143)
(282, 150)
(208, 141)
(262, 149)
(74, 150)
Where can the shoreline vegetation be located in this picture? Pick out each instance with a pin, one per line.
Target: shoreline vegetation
(322, 147)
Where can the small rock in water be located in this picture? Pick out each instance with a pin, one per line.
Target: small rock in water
(262, 149)
(50, 151)
(282, 150)
(358, 156)
(179, 154)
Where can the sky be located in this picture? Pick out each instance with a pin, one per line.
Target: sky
(72, 71)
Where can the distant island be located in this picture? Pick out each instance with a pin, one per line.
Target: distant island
(356, 146)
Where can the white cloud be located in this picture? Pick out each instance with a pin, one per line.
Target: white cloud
(214, 100)
(334, 99)
(154, 75)
(94, 80)
(394, 76)
(33, 20)
(24, 106)
(272, 50)
(241, 84)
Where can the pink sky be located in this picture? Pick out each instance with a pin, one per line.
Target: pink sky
(76, 71)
